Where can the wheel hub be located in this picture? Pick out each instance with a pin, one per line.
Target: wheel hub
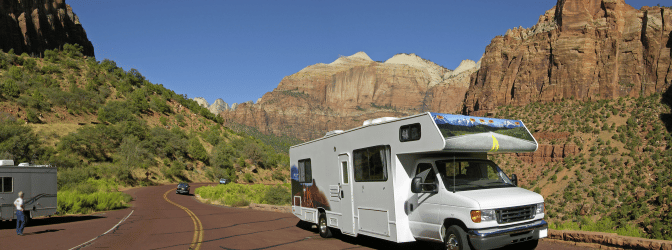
(323, 226)
(452, 243)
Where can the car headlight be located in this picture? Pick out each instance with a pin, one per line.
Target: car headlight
(483, 215)
(540, 208)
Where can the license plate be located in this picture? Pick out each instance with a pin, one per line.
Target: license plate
(543, 233)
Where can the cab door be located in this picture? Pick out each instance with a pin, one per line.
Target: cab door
(423, 208)
(347, 223)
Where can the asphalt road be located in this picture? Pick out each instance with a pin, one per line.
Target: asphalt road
(161, 219)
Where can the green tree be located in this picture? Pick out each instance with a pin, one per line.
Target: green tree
(133, 153)
(196, 150)
(18, 140)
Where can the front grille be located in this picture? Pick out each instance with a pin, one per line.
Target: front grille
(513, 214)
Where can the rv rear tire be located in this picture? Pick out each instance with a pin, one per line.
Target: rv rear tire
(456, 239)
(325, 232)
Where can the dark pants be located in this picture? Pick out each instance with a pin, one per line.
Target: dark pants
(20, 222)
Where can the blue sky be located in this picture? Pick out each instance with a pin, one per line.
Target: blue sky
(239, 50)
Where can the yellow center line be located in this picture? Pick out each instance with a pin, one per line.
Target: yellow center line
(198, 226)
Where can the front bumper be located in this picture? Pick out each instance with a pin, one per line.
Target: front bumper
(182, 191)
(498, 237)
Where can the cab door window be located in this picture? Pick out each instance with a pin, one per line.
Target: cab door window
(426, 172)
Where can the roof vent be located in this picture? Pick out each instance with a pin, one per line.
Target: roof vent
(333, 132)
(379, 120)
(6, 163)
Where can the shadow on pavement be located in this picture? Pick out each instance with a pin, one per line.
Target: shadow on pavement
(49, 221)
(370, 242)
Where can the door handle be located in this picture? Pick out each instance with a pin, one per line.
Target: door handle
(342, 194)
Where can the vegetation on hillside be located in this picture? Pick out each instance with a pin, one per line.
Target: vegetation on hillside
(129, 130)
(621, 181)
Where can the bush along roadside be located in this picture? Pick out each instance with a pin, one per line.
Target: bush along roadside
(92, 196)
(240, 195)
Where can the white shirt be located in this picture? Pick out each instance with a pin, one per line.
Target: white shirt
(18, 203)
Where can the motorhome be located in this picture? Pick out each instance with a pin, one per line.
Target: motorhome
(422, 177)
(38, 184)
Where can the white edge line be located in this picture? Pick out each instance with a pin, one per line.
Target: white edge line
(115, 226)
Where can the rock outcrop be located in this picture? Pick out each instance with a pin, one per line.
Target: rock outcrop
(352, 89)
(585, 49)
(217, 107)
(35, 26)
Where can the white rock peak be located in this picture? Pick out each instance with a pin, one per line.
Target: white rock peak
(464, 66)
(359, 56)
(434, 71)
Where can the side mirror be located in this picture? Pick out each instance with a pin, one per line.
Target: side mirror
(416, 186)
(514, 179)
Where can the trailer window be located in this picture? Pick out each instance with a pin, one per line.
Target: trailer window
(409, 132)
(7, 184)
(371, 163)
(305, 171)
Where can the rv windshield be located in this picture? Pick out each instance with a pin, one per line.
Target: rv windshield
(472, 174)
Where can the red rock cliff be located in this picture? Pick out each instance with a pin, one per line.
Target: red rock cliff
(35, 26)
(350, 90)
(586, 49)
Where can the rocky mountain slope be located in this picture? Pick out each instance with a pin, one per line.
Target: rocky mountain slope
(35, 26)
(597, 49)
(349, 90)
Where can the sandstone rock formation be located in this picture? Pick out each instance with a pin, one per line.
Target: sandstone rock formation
(35, 26)
(217, 107)
(585, 49)
(349, 90)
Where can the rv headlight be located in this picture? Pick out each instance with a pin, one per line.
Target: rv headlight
(483, 215)
(488, 215)
(540, 208)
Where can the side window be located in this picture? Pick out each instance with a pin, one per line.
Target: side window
(305, 171)
(409, 132)
(426, 172)
(345, 172)
(370, 164)
(7, 184)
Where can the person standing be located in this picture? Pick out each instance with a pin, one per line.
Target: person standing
(20, 219)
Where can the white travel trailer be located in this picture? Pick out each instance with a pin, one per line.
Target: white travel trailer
(422, 177)
(38, 184)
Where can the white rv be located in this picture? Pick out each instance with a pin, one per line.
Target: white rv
(38, 184)
(422, 177)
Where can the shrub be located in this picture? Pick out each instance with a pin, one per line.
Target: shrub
(32, 117)
(114, 112)
(73, 50)
(51, 55)
(10, 88)
(277, 195)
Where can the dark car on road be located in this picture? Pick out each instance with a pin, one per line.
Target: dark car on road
(182, 188)
(224, 181)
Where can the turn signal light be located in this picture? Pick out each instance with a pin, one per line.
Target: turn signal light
(476, 216)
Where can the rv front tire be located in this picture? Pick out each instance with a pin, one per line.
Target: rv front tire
(456, 239)
(325, 232)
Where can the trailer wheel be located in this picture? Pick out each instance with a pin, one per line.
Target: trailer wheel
(325, 232)
(456, 239)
